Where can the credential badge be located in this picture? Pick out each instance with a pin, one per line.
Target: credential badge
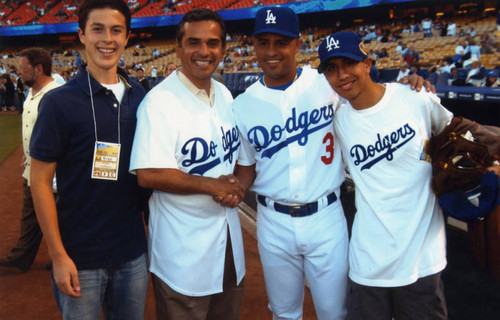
(331, 43)
(270, 18)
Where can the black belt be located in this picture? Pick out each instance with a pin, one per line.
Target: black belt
(302, 210)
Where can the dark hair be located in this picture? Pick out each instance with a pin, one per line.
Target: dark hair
(38, 56)
(89, 5)
(200, 14)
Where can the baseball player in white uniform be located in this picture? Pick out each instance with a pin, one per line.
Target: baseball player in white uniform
(288, 146)
(186, 143)
(397, 248)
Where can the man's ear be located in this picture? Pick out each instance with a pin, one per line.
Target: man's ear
(81, 35)
(38, 69)
(368, 62)
(299, 43)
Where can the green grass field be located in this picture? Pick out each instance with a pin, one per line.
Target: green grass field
(10, 133)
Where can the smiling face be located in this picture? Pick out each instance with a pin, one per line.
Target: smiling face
(276, 56)
(105, 37)
(349, 78)
(200, 51)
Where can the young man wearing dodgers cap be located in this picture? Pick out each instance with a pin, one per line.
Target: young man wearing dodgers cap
(289, 158)
(397, 249)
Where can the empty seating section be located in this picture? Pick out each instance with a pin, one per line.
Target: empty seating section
(28, 11)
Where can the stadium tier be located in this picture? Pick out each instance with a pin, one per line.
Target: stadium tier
(152, 43)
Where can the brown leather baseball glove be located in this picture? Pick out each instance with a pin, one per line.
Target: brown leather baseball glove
(459, 158)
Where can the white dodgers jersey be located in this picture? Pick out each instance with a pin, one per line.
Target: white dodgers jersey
(289, 135)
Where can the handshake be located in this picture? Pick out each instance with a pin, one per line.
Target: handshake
(228, 191)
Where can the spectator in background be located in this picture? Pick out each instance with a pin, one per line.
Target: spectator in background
(471, 32)
(403, 70)
(383, 53)
(154, 75)
(2, 93)
(373, 54)
(411, 55)
(461, 32)
(66, 76)
(498, 21)
(492, 79)
(475, 53)
(400, 47)
(78, 60)
(444, 28)
(459, 52)
(451, 29)
(427, 27)
(34, 69)
(57, 77)
(447, 64)
(9, 94)
(171, 66)
(486, 47)
(454, 79)
(415, 69)
(477, 75)
(374, 73)
(20, 93)
(142, 79)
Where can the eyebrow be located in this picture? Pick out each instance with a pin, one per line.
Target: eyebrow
(98, 24)
(199, 39)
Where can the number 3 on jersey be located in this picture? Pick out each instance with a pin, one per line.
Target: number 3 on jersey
(328, 140)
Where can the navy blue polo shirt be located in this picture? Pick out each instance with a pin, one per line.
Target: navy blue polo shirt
(100, 221)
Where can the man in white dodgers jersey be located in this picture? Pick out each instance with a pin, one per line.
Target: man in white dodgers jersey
(185, 149)
(288, 152)
(397, 249)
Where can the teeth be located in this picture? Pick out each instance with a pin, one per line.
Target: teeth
(272, 61)
(203, 63)
(346, 86)
(106, 50)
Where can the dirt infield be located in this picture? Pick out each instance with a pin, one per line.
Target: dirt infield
(29, 295)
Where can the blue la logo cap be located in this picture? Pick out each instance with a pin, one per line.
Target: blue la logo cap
(341, 44)
(278, 20)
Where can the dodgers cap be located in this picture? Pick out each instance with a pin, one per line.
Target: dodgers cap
(491, 73)
(457, 205)
(278, 20)
(341, 44)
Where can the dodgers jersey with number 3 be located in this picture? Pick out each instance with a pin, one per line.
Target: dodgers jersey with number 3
(188, 232)
(289, 135)
(398, 234)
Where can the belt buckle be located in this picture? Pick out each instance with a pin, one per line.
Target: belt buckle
(291, 210)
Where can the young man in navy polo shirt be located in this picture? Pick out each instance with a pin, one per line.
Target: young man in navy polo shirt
(84, 133)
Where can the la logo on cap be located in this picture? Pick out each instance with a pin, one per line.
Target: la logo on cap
(331, 43)
(270, 17)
